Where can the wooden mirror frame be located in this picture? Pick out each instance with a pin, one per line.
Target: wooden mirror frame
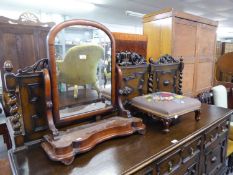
(52, 65)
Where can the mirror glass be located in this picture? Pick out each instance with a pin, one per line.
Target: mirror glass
(83, 68)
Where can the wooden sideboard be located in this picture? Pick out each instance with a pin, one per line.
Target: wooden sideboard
(180, 34)
(200, 149)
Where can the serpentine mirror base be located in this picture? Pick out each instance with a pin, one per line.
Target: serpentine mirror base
(83, 138)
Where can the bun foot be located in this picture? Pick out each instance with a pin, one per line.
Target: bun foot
(197, 115)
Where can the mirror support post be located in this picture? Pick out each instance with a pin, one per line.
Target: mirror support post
(122, 110)
(48, 103)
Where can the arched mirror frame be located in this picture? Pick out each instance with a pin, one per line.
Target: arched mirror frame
(52, 64)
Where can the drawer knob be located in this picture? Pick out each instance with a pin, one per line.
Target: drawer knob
(213, 159)
(223, 129)
(170, 166)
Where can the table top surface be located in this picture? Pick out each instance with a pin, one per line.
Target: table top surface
(120, 155)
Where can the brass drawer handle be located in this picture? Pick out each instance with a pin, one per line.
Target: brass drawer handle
(213, 159)
(192, 151)
(211, 138)
(170, 166)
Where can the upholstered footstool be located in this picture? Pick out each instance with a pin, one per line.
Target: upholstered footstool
(165, 106)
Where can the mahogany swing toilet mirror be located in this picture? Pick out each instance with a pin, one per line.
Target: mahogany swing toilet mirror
(82, 68)
(81, 84)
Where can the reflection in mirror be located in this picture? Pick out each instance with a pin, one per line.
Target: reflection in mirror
(83, 66)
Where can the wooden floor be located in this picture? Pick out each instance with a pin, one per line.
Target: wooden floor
(4, 163)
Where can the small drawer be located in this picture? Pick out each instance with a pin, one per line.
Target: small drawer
(211, 136)
(213, 160)
(170, 163)
(191, 149)
(223, 127)
(192, 170)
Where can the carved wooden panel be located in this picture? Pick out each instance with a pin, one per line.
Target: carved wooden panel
(204, 154)
(183, 160)
(165, 78)
(32, 102)
(135, 78)
(215, 148)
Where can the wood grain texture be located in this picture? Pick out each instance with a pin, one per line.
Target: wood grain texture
(137, 154)
(170, 12)
(159, 36)
(181, 34)
(83, 138)
(22, 44)
(131, 43)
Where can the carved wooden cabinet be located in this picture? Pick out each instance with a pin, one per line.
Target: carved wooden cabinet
(190, 148)
(181, 34)
(24, 101)
(22, 41)
(203, 154)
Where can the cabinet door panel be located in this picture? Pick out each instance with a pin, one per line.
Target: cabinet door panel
(206, 36)
(184, 40)
(206, 42)
(10, 50)
(188, 74)
(29, 50)
(204, 76)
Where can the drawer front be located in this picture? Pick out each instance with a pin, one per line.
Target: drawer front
(192, 170)
(211, 136)
(223, 127)
(169, 164)
(204, 154)
(213, 160)
(191, 149)
(172, 165)
(215, 155)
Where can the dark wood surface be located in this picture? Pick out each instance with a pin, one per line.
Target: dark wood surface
(83, 138)
(121, 155)
(131, 43)
(134, 77)
(22, 44)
